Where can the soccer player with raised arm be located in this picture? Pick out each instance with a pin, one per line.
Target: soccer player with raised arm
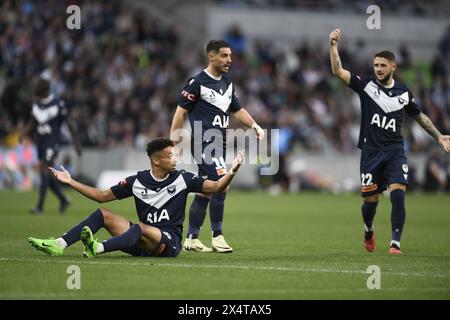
(160, 198)
(209, 98)
(47, 116)
(384, 101)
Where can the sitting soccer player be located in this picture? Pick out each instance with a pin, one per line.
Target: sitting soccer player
(160, 197)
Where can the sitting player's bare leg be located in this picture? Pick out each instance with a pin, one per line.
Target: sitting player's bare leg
(150, 238)
(114, 223)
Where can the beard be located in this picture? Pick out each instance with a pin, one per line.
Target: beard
(385, 79)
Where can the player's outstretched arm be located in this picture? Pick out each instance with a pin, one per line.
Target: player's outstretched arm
(336, 65)
(177, 123)
(429, 127)
(220, 185)
(89, 192)
(246, 119)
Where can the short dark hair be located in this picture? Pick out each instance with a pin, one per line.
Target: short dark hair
(216, 45)
(158, 144)
(389, 55)
(42, 89)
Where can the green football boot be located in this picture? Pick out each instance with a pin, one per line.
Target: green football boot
(49, 246)
(90, 244)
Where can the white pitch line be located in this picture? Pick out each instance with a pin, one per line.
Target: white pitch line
(224, 266)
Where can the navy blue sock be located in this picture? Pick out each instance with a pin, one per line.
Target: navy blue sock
(398, 213)
(368, 210)
(197, 213)
(216, 208)
(125, 240)
(56, 188)
(43, 190)
(94, 222)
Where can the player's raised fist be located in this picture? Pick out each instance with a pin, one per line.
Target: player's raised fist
(334, 36)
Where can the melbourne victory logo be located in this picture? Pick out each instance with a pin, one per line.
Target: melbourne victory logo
(171, 190)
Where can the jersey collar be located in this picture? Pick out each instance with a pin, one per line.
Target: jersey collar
(158, 180)
(386, 87)
(211, 76)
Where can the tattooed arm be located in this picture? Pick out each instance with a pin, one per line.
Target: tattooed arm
(336, 65)
(429, 127)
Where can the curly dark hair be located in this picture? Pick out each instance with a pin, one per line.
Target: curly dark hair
(158, 144)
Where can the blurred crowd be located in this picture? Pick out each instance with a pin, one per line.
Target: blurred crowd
(121, 74)
(397, 7)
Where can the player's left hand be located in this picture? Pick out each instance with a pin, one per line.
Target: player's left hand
(238, 161)
(444, 141)
(258, 131)
(63, 176)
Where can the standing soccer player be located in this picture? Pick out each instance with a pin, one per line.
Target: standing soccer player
(208, 98)
(383, 162)
(47, 115)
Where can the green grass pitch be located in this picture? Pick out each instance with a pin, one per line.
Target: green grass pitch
(304, 246)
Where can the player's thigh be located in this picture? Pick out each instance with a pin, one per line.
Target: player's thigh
(157, 242)
(371, 173)
(151, 237)
(396, 170)
(114, 223)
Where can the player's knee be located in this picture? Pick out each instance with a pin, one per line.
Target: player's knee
(397, 186)
(397, 195)
(372, 198)
(107, 215)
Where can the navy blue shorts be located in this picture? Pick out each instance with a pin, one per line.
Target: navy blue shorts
(47, 152)
(169, 246)
(379, 169)
(212, 164)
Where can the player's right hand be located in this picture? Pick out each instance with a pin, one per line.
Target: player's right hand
(444, 141)
(63, 176)
(335, 35)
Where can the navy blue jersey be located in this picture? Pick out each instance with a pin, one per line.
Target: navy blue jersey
(382, 113)
(49, 114)
(209, 100)
(160, 203)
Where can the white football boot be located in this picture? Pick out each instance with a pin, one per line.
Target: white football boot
(220, 245)
(195, 245)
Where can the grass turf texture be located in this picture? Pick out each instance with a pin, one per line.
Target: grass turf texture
(304, 246)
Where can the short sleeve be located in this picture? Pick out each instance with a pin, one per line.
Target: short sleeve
(357, 83)
(235, 104)
(124, 188)
(412, 108)
(189, 95)
(193, 181)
